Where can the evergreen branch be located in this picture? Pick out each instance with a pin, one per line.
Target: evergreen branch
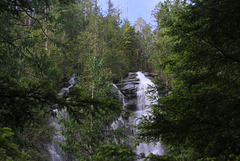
(24, 54)
(222, 52)
(41, 26)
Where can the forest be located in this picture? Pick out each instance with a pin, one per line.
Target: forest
(193, 54)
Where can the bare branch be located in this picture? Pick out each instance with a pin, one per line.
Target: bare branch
(19, 38)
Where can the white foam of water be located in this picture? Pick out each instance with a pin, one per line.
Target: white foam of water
(121, 96)
(142, 102)
(63, 90)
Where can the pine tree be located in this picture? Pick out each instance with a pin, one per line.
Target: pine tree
(198, 116)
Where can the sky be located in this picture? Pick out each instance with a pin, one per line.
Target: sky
(136, 9)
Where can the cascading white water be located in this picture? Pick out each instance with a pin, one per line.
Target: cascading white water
(140, 84)
(53, 148)
(143, 101)
(120, 95)
(63, 90)
(119, 123)
(135, 88)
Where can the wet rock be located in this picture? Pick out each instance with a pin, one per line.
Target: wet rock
(129, 89)
(149, 75)
(131, 75)
(132, 104)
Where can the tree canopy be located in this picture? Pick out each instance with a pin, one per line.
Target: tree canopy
(194, 53)
(199, 113)
(42, 45)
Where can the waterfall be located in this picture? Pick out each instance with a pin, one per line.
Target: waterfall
(143, 101)
(55, 153)
(133, 96)
(134, 88)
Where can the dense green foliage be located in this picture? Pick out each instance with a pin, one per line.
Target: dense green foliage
(89, 131)
(115, 152)
(194, 52)
(8, 150)
(44, 43)
(198, 116)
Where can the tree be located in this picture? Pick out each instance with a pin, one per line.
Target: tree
(29, 78)
(90, 130)
(43, 43)
(112, 34)
(199, 116)
(164, 13)
(144, 44)
(9, 150)
(129, 44)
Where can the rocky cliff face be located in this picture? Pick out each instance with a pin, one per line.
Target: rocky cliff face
(129, 89)
(134, 88)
